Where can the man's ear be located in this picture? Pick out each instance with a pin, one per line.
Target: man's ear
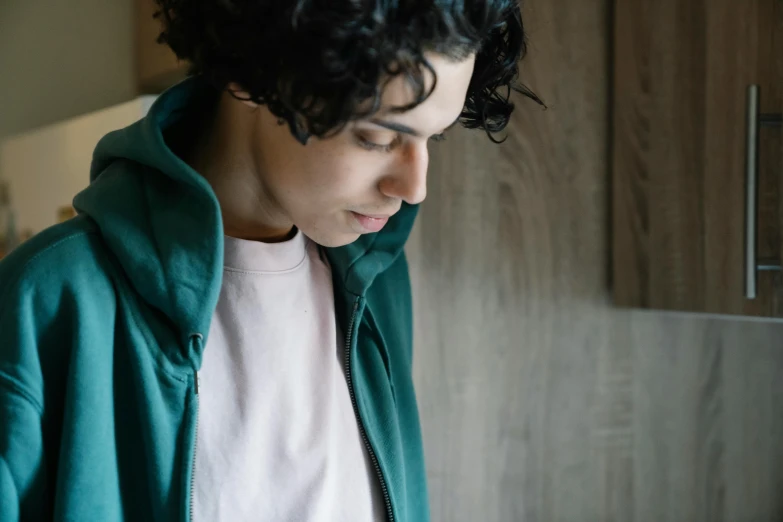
(240, 94)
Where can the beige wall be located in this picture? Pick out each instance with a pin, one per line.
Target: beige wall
(61, 58)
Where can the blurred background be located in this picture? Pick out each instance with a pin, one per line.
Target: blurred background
(598, 300)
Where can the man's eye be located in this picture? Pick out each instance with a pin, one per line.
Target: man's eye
(367, 143)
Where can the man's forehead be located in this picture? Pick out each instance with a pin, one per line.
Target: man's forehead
(441, 109)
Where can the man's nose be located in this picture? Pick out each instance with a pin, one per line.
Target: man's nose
(408, 179)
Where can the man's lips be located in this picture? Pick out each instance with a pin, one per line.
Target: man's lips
(371, 222)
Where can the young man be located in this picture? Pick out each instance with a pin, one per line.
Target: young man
(224, 331)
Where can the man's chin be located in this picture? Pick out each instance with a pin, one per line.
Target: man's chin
(337, 240)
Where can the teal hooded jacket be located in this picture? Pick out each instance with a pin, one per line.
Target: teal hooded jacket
(103, 323)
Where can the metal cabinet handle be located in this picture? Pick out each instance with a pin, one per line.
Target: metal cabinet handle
(753, 122)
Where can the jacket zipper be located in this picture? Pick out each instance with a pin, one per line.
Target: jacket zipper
(362, 431)
(195, 449)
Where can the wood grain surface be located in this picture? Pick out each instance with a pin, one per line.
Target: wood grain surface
(540, 402)
(681, 69)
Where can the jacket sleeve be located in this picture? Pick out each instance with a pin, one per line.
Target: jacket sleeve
(22, 469)
(23, 479)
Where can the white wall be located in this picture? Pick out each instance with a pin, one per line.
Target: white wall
(63, 58)
(46, 167)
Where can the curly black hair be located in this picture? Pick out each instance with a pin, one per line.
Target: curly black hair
(318, 64)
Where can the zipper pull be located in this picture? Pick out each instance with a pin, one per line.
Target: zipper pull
(196, 342)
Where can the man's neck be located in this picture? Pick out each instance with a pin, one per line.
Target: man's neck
(220, 148)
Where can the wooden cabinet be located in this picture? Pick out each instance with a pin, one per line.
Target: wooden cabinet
(157, 68)
(697, 165)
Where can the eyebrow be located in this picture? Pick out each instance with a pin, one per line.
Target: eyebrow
(404, 129)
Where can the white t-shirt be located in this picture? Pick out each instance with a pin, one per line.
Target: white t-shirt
(278, 439)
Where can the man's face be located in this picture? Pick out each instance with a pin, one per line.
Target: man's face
(336, 189)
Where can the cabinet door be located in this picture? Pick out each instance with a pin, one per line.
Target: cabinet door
(157, 68)
(682, 71)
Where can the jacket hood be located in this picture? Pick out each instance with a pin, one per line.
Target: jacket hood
(162, 221)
